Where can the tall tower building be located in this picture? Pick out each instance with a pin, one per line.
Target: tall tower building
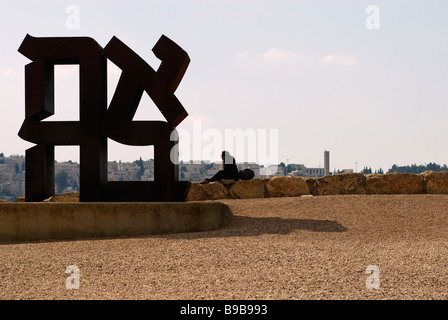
(327, 163)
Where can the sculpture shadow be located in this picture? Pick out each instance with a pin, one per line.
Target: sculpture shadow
(243, 226)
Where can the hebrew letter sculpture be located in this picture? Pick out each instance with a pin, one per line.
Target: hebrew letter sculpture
(97, 123)
(39, 104)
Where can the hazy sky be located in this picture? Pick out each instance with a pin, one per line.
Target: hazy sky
(310, 69)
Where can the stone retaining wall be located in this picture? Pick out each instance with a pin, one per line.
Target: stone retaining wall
(429, 182)
(351, 183)
(23, 222)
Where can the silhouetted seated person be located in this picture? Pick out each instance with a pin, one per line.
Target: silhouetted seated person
(229, 169)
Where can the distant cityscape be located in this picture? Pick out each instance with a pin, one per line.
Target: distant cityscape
(12, 172)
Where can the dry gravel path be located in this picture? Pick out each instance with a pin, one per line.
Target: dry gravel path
(279, 248)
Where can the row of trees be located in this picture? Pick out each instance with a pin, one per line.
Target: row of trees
(395, 169)
(409, 169)
(369, 171)
(63, 181)
(418, 168)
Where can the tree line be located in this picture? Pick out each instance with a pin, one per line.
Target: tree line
(414, 168)
(418, 168)
(370, 171)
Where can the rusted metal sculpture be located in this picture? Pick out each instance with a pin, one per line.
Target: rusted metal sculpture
(97, 122)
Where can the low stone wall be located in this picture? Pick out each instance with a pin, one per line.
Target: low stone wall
(429, 182)
(351, 183)
(435, 182)
(23, 222)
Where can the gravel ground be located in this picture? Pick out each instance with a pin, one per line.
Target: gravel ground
(278, 248)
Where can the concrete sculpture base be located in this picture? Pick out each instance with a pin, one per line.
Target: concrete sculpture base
(21, 222)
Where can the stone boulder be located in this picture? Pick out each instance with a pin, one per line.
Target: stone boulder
(65, 197)
(340, 184)
(20, 199)
(394, 183)
(435, 182)
(312, 185)
(210, 191)
(288, 187)
(248, 189)
(227, 182)
(3, 200)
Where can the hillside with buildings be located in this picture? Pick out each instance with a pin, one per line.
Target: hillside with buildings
(12, 177)
(12, 173)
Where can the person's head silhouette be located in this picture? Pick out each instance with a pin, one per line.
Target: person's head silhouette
(227, 158)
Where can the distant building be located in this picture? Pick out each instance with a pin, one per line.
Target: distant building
(315, 172)
(302, 171)
(326, 163)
